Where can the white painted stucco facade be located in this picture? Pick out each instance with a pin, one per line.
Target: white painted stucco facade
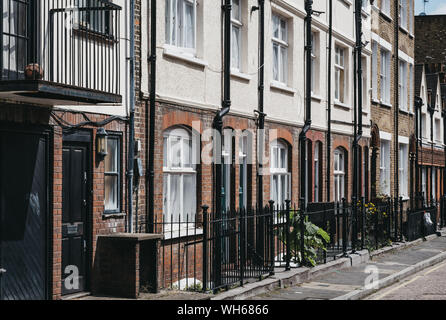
(195, 79)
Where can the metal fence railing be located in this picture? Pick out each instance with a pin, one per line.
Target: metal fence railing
(210, 251)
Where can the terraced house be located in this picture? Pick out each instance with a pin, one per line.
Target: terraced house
(191, 84)
(114, 178)
(392, 96)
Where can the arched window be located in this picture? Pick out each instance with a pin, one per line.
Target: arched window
(339, 174)
(180, 176)
(280, 174)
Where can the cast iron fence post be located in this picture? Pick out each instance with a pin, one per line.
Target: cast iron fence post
(302, 231)
(205, 247)
(441, 211)
(273, 249)
(401, 219)
(325, 229)
(242, 243)
(354, 224)
(363, 222)
(376, 222)
(344, 228)
(288, 235)
(395, 215)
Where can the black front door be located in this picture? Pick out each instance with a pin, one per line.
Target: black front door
(74, 223)
(23, 215)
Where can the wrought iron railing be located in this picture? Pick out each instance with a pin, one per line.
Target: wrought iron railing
(74, 43)
(211, 252)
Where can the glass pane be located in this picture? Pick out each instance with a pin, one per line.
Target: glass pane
(111, 160)
(283, 30)
(175, 197)
(168, 19)
(175, 152)
(236, 10)
(283, 159)
(275, 26)
(284, 62)
(189, 26)
(190, 197)
(284, 188)
(187, 153)
(276, 62)
(111, 193)
(235, 60)
(275, 189)
(166, 197)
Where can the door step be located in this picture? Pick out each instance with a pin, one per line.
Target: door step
(76, 296)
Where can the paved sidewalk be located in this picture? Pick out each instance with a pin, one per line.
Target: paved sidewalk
(340, 284)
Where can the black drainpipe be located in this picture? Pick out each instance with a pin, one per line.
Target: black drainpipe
(330, 48)
(218, 126)
(431, 110)
(131, 140)
(443, 216)
(418, 105)
(260, 111)
(358, 117)
(151, 150)
(307, 125)
(396, 107)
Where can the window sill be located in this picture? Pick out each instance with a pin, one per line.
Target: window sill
(177, 54)
(404, 30)
(385, 104)
(106, 216)
(182, 233)
(404, 111)
(386, 15)
(364, 13)
(342, 105)
(282, 87)
(240, 75)
(316, 97)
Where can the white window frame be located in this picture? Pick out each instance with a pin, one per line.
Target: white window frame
(113, 209)
(314, 62)
(180, 33)
(385, 7)
(385, 159)
(402, 12)
(282, 44)
(236, 26)
(375, 70)
(403, 86)
(339, 175)
(183, 170)
(340, 70)
(385, 76)
(280, 171)
(403, 170)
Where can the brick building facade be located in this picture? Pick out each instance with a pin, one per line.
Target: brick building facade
(74, 193)
(392, 99)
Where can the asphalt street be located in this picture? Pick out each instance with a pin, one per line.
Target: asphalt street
(339, 283)
(429, 284)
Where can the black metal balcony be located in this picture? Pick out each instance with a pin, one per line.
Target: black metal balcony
(60, 52)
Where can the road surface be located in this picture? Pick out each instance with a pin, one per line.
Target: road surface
(429, 284)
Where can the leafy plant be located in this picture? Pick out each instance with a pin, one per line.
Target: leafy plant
(315, 240)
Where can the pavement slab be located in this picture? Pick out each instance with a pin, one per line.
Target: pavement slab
(339, 283)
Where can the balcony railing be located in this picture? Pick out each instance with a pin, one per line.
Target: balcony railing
(61, 51)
